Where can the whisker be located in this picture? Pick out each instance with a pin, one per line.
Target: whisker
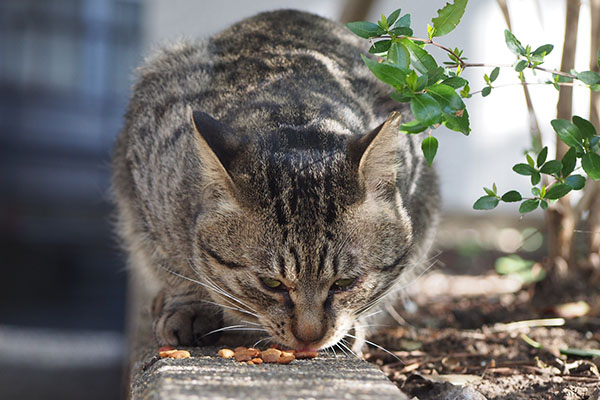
(369, 325)
(347, 346)
(334, 353)
(394, 289)
(269, 338)
(370, 315)
(250, 322)
(226, 328)
(216, 288)
(376, 345)
(341, 348)
(237, 329)
(231, 308)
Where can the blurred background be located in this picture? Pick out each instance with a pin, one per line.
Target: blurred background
(66, 69)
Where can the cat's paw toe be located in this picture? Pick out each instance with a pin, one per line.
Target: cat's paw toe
(187, 325)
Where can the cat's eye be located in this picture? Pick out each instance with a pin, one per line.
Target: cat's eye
(272, 283)
(343, 283)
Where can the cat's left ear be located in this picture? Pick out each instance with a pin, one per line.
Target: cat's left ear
(216, 147)
(376, 156)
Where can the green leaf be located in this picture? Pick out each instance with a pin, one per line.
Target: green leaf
(557, 191)
(386, 73)
(512, 265)
(434, 75)
(430, 31)
(494, 74)
(568, 162)
(585, 127)
(458, 122)
(403, 22)
(455, 82)
(528, 205)
(541, 158)
(530, 161)
(465, 93)
(414, 126)
(536, 191)
(422, 61)
(401, 31)
(486, 203)
(447, 97)
(551, 167)
(421, 83)
(535, 178)
(524, 169)
(568, 133)
(521, 65)
(381, 46)
(589, 77)
(393, 16)
(365, 29)
(511, 196)
(581, 352)
(490, 192)
(577, 182)
(429, 147)
(513, 43)
(411, 80)
(544, 204)
(486, 91)
(399, 56)
(591, 165)
(383, 23)
(594, 143)
(546, 48)
(448, 17)
(562, 78)
(401, 97)
(426, 109)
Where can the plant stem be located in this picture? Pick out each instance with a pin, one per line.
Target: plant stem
(526, 83)
(552, 71)
(464, 64)
(431, 42)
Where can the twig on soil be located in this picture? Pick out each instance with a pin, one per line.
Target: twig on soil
(531, 342)
(528, 324)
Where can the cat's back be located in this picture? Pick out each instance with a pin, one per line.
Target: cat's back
(281, 66)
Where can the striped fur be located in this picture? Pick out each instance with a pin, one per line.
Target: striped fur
(260, 153)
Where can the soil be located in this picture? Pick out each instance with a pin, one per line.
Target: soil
(459, 344)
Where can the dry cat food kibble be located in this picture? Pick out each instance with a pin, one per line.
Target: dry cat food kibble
(171, 352)
(305, 354)
(274, 354)
(270, 356)
(226, 353)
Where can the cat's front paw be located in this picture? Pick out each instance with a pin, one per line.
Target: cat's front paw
(186, 323)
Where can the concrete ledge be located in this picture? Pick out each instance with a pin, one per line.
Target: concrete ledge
(205, 376)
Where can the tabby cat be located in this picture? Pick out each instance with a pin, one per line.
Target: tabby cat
(258, 188)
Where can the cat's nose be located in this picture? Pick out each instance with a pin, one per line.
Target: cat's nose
(308, 333)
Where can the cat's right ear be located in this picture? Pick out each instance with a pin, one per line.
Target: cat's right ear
(216, 148)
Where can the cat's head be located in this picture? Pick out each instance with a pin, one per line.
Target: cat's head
(300, 233)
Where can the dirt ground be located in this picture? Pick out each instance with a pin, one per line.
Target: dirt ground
(472, 337)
